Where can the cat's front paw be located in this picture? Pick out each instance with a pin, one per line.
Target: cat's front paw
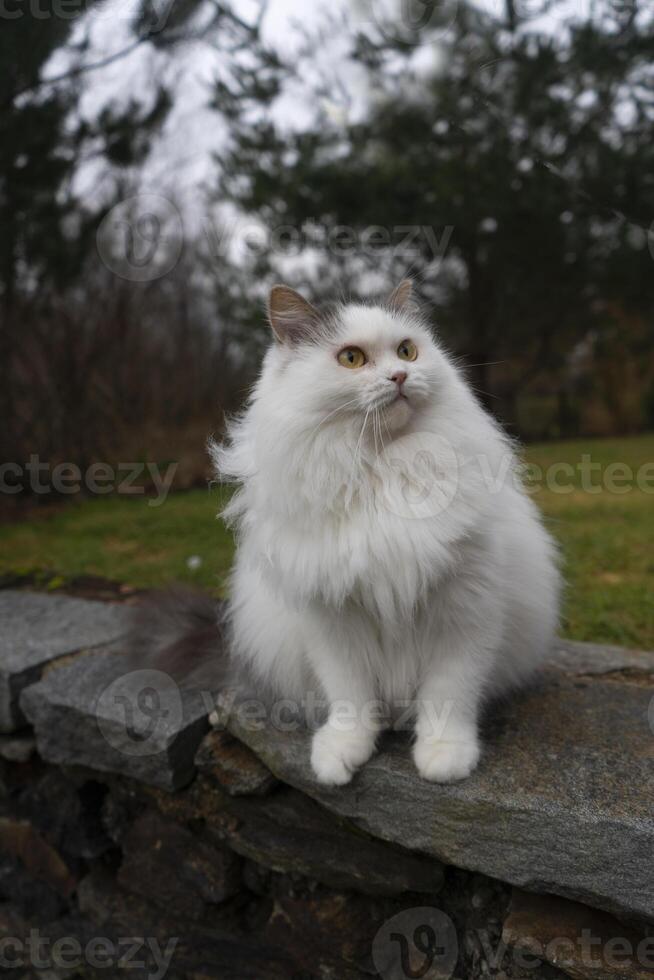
(335, 754)
(441, 761)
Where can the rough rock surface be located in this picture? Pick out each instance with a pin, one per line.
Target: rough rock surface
(17, 748)
(230, 764)
(101, 713)
(562, 800)
(593, 659)
(293, 834)
(37, 629)
(561, 803)
(168, 865)
(584, 943)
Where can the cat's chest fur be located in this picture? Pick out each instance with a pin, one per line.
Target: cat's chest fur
(382, 545)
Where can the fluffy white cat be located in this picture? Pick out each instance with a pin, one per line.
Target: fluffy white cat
(386, 549)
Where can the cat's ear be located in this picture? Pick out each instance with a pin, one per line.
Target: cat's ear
(402, 297)
(291, 316)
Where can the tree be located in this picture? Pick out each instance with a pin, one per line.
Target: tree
(73, 367)
(527, 146)
(45, 235)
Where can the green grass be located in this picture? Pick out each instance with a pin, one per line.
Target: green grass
(607, 540)
(126, 540)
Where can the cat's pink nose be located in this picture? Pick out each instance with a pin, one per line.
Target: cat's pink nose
(399, 377)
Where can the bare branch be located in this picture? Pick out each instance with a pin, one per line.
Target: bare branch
(81, 69)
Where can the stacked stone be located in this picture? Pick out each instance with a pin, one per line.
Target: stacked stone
(125, 817)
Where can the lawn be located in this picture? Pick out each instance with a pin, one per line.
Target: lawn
(606, 536)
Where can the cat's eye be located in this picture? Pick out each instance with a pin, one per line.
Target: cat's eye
(407, 351)
(352, 357)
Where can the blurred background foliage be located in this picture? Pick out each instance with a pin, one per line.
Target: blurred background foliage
(499, 151)
(511, 173)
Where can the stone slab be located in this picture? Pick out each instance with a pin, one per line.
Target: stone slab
(562, 801)
(291, 834)
(17, 748)
(594, 658)
(233, 767)
(582, 942)
(36, 629)
(168, 865)
(101, 713)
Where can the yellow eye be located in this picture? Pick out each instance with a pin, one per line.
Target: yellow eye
(407, 351)
(352, 357)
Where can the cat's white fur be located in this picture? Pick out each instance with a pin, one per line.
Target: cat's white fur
(351, 580)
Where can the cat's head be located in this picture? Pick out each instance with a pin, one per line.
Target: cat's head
(354, 359)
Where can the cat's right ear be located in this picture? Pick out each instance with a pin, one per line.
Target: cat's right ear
(402, 297)
(291, 316)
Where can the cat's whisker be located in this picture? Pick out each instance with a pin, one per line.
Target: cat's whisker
(380, 416)
(388, 431)
(357, 447)
(374, 428)
(331, 415)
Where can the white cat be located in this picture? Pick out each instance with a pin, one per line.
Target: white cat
(386, 549)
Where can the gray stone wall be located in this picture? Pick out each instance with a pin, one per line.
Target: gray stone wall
(136, 841)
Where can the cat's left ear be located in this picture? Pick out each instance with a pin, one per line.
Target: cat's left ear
(291, 316)
(402, 297)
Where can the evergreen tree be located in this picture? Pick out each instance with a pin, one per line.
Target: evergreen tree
(535, 150)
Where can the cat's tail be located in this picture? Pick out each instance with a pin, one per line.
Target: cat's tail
(180, 631)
